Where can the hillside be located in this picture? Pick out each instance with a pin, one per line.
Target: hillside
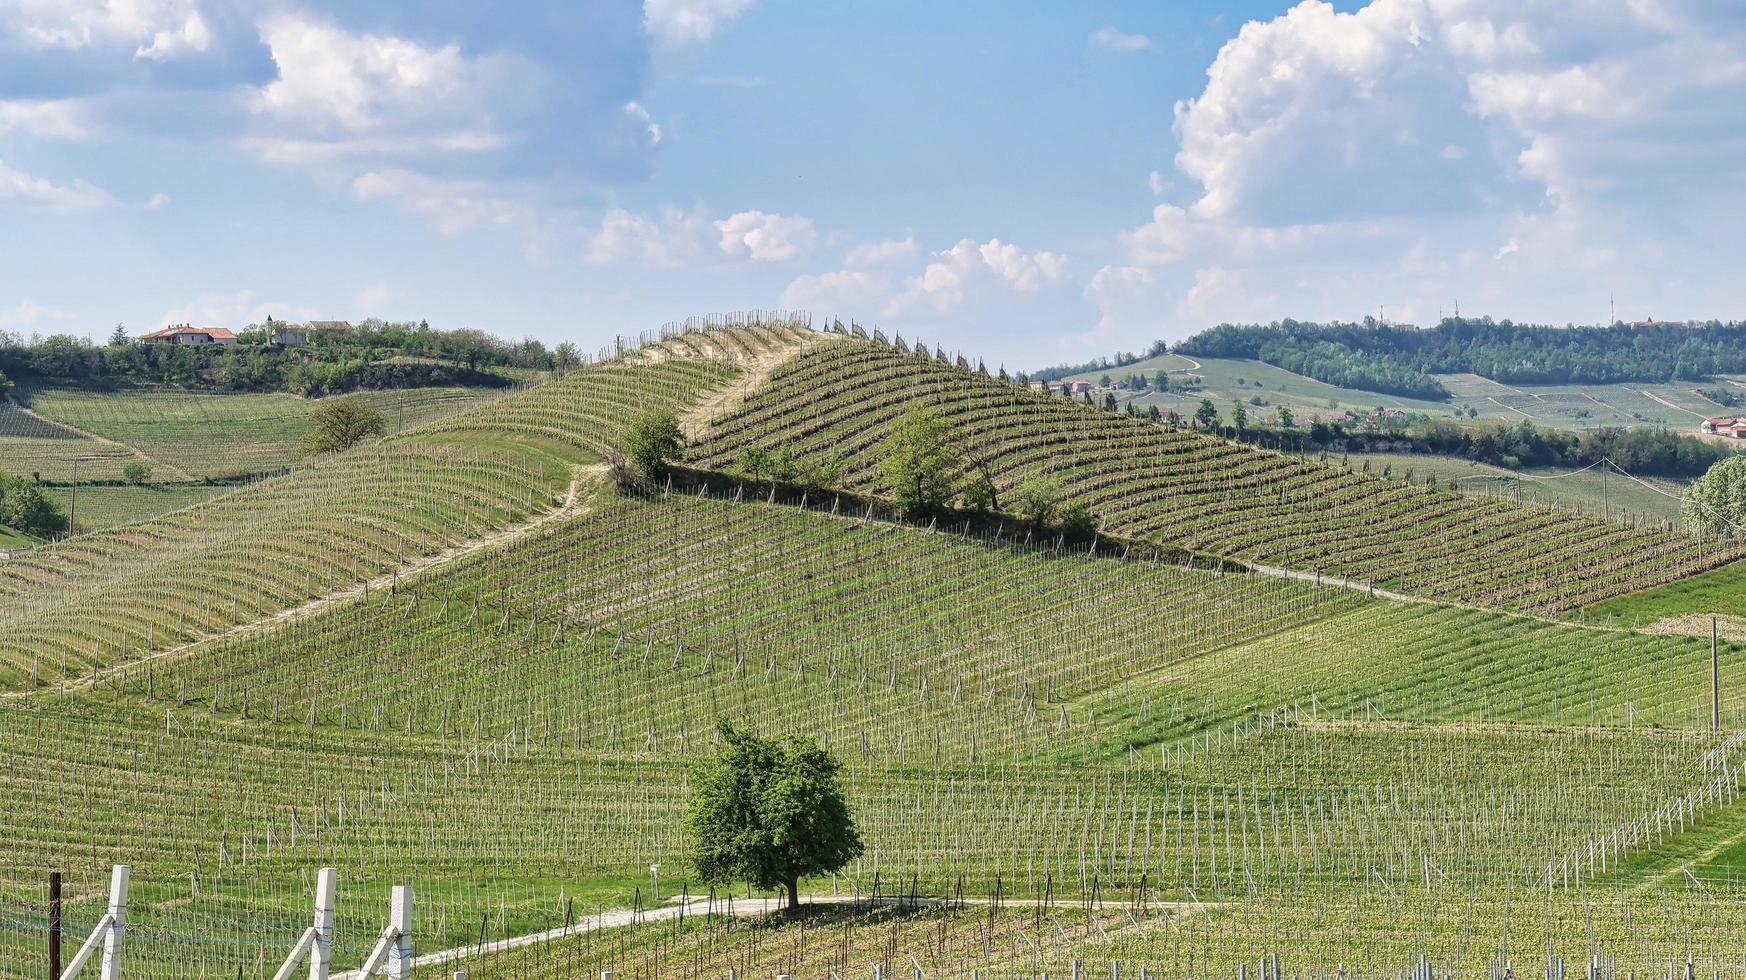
(1150, 482)
(1109, 756)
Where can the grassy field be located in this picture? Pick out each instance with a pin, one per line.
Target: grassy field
(1167, 764)
(1718, 592)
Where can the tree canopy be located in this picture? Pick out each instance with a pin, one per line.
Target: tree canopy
(1716, 501)
(653, 441)
(340, 423)
(769, 811)
(920, 462)
(24, 507)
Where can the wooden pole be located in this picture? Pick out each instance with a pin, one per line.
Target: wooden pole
(54, 936)
(1715, 681)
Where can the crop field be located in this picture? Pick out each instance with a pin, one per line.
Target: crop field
(105, 506)
(1588, 492)
(199, 435)
(460, 659)
(1146, 481)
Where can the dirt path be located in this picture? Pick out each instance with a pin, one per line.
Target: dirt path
(754, 374)
(94, 437)
(1508, 408)
(571, 507)
(1698, 624)
(747, 908)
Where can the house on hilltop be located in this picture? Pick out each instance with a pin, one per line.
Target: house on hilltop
(182, 333)
(1726, 425)
(298, 334)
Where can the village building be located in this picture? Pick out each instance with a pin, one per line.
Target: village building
(1727, 425)
(298, 334)
(182, 333)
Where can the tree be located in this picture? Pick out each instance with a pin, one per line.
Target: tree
(1207, 415)
(652, 441)
(137, 472)
(978, 496)
(1239, 416)
(1036, 500)
(920, 462)
(769, 811)
(24, 507)
(118, 337)
(565, 356)
(1285, 417)
(1077, 522)
(340, 423)
(1103, 381)
(1109, 401)
(1161, 380)
(5, 385)
(1716, 501)
(754, 460)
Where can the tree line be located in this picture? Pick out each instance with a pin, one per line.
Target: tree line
(1401, 359)
(373, 354)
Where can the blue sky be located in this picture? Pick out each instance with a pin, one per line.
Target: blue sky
(1030, 182)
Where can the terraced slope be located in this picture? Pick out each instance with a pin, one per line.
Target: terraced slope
(1146, 481)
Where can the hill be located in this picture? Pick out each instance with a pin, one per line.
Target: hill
(459, 659)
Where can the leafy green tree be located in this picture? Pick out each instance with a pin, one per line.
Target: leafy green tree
(118, 336)
(653, 441)
(137, 472)
(1077, 522)
(5, 385)
(1239, 416)
(340, 423)
(1161, 380)
(754, 461)
(1103, 381)
(769, 811)
(24, 507)
(920, 462)
(978, 496)
(1207, 415)
(1036, 500)
(1716, 501)
(1109, 401)
(1285, 417)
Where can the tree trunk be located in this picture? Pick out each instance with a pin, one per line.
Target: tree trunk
(793, 887)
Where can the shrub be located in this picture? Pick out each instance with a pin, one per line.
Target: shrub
(652, 442)
(340, 423)
(137, 472)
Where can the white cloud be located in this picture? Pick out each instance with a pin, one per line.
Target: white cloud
(1110, 39)
(1508, 249)
(451, 206)
(686, 22)
(1210, 283)
(1157, 183)
(372, 298)
(22, 188)
(855, 292)
(765, 237)
(158, 29)
(635, 110)
(625, 237)
(28, 314)
(370, 91)
(158, 202)
(64, 119)
(1025, 273)
(879, 254)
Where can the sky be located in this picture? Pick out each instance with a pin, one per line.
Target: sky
(1027, 182)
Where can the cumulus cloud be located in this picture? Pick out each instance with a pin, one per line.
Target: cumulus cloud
(873, 255)
(765, 237)
(872, 281)
(1025, 273)
(158, 30)
(635, 110)
(28, 314)
(676, 23)
(1110, 39)
(624, 237)
(18, 187)
(233, 309)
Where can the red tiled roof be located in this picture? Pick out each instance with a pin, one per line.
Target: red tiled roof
(216, 333)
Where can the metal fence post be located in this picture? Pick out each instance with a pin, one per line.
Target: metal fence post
(400, 917)
(321, 953)
(118, 927)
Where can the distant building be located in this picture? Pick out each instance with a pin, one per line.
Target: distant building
(1080, 387)
(298, 334)
(182, 333)
(1728, 425)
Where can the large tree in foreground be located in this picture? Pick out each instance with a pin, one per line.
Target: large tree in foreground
(340, 423)
(1716, 501)
(769, 811)
(920, 463)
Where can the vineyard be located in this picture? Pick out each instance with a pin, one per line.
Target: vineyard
(460, 659)
(1144, 480)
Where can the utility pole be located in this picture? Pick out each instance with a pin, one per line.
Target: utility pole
(1606, 501)
(54, 936)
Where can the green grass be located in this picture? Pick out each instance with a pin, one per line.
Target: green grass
(10, 538)
(1586, 491)
(1720, 592)
(101, 507)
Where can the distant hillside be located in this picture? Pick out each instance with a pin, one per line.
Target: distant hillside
(1399, 359)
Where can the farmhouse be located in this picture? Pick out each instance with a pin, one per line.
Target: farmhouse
(1726, 425)
(182, 333)
(1080, 387)
(298, 334)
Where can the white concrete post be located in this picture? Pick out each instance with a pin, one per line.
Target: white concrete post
(321, 953)
(118, 928)
(400, 918)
